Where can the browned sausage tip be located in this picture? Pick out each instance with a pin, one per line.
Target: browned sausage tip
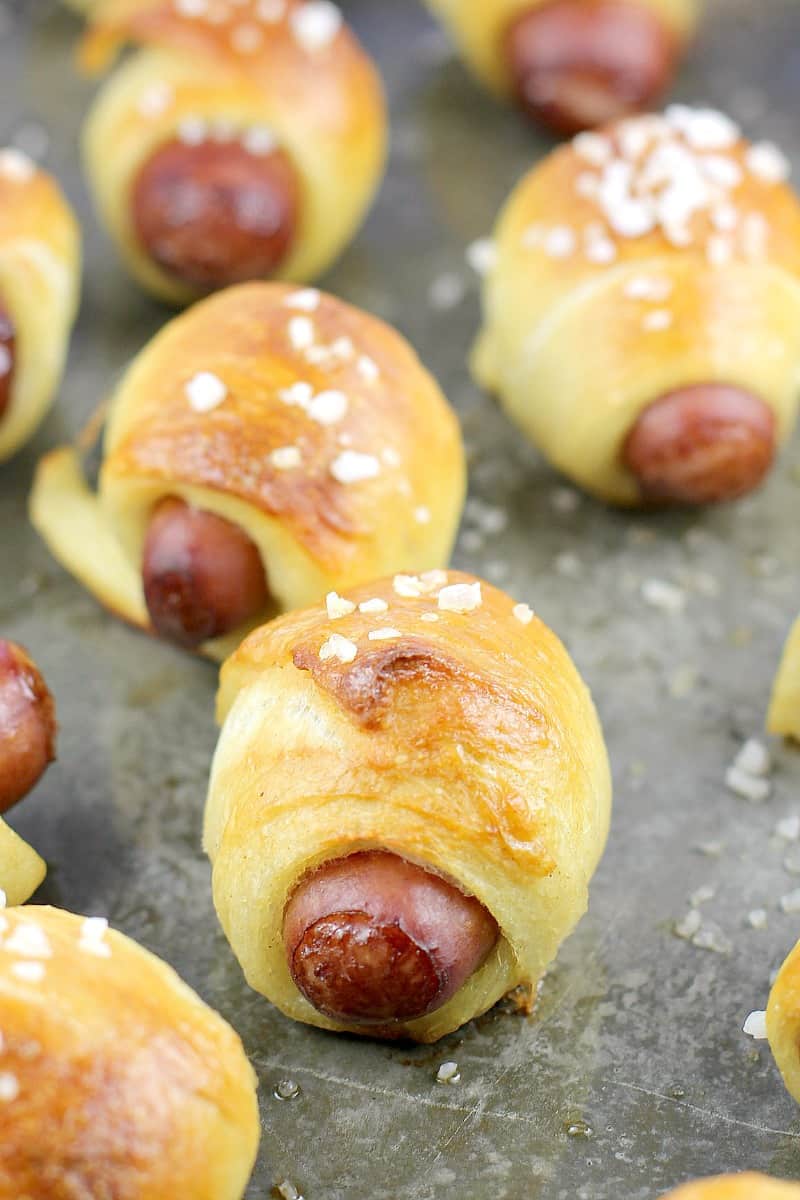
(202, 575)
(216, 214)
(7, 358)
(576, 64)
(27, 725)
(701, 445)
(372, 939)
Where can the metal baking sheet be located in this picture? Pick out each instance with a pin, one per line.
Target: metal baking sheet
(633, 1074)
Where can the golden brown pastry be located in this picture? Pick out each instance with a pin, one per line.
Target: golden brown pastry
(268, 446)
(783, 1022)
(784, 711)
(747, 1186)
(115, 1079)
(409, 797)
(642, 320)
(40, 266)
(572, 64)
(242, 140)
(27, 746)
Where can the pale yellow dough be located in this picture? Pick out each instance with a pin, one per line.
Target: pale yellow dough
(135, 1089)
(784, 711)
(478, 28)
(565, 344)
(314, 531)
(324, 106)
(40, 268)
(468, 744)
(21, 868)
(747, 1186)
(783, 1022)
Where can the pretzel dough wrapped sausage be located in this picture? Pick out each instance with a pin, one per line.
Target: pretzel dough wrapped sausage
(115, 1079)
(39, 285)
(409, 797)
(27, 746)
(243, 140)
(747, 1186)
(784, 712)
(642, 321)
(267, 446)
(572, 64)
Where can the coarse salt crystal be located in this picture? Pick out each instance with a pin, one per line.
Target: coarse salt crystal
(460, 597)
(338, 647)
(430, 617)
(3, 902)
(725, 217)
(702, 895)
(789, 828)
(719, 250)
(757, 918)
(593, 147)
(523, 613)
(755, 1025)
(482, 255)
(16, 166)
(307, 300)
(300, 393)
(9, 1087)
(31, 972)
(285, 458)
(648, 287)
(725, 172)
(754, 758)
(316, 24)
(259, 140)
(407, 586)
(205, 391)
(337, 606)
(767, 162)
(446, 291)
(560, 242)
(631, 218)
(192, 131)
(191, 8)
(247, 39)
(367, 368)
(656, 321)
(156, 99)
(448, 1073)
(353, 467)
(703, 128)
(664, 596)
(383, 635)
(600, 250)
(790, 903)
(328, 407)
(689, 926)
(301, 333)
(748, 786)
(29, 941)
(373, 606)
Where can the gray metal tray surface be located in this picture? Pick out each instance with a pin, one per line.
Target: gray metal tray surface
(633, 1074)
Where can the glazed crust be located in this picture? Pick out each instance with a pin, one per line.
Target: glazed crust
(324, 104)
(783, 1022)
(784, 711)
(40, 265)
(314, 531)
(735, 322)
(479, 27)
(468, 745)
(136, 1089)
(747, 1186)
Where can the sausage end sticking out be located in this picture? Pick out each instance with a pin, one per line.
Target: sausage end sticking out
(202, 575)
(216, 214)
(373, 939)
(7, 355)
(576, 64)
(701, 445)
(27, 725)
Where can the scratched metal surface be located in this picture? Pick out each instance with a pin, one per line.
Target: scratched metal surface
(634, 1074)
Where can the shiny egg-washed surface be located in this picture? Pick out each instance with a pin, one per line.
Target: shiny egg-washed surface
(634, 1073)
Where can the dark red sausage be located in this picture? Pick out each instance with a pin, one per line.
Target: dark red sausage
(371, 939)
(215, 214)
(27, 725)
(577, 64)
(8, 343)
(202, 575)
(701, 445)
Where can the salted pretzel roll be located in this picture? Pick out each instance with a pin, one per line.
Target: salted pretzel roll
(40, 265)
(241, 140)
(572, 64)
(746, 1186)
(306, 425)
(422, 721)
(115, 1078)
(642, 320)
(784, 711)
(27, 747)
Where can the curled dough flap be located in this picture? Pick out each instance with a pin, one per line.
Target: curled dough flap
(21, 868)
(784, 711)
(135, 1087)
(478, 28)
(468, 744)
(40, 264)
(325, 106)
